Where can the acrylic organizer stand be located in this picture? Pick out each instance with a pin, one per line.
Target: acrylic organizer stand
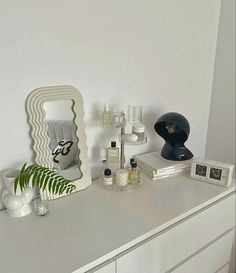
(136, 137)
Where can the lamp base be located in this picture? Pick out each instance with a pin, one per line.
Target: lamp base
(177, 153)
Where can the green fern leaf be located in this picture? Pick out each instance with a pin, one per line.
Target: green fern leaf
(45, 183)
(16, 182)
(43, 178)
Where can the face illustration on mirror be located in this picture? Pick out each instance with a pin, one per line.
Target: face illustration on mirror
(63, 148)
(63, 140)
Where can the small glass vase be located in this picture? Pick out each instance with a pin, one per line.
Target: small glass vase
(41, 206)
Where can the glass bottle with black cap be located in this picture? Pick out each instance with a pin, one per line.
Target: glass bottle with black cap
(113, 156)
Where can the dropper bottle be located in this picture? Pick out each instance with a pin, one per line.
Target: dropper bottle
(106, 116)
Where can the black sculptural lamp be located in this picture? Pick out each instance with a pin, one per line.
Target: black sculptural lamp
(174, 129)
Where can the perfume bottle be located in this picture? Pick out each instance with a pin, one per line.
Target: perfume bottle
(134, 174)
(107, 116)
(113, 156)
(107, 177)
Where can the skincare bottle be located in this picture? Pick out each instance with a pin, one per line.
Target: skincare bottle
(113, 156)
(106, 116)
(134, 174)
(107, 177)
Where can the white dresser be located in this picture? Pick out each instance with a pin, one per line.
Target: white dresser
(177, 225)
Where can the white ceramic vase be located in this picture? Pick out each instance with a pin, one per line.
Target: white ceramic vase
(17, 204)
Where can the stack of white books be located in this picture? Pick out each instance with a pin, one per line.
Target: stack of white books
(156, 167)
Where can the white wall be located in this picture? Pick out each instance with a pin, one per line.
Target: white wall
(58, 110)
(159, 53)
(221, 130)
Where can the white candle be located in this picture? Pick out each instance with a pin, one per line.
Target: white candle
(121, 177)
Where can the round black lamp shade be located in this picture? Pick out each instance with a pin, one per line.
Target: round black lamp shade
(174, 129)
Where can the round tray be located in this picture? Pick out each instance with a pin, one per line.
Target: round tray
(128, 187)
(137, 142)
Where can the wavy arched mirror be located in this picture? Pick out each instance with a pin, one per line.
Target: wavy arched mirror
(55, 115)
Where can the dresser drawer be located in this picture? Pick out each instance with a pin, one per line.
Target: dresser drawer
(210, 259)
(169, 248)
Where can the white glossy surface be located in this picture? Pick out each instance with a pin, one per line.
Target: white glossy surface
(109, 267)
(224, 269)
(87, 228)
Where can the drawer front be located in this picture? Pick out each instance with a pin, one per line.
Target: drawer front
(176, 244)
(210, 259)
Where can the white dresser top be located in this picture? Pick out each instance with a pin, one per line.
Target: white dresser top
(89, 227)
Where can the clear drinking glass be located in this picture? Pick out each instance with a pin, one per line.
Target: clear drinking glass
(41, 206)
(134, 113)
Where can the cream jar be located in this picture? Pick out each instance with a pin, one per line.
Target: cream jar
(139, 130)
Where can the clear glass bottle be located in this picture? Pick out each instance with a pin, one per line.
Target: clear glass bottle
(113, 158)
(107, 116)
(134, 174)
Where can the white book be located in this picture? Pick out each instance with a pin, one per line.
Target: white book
(154, 163)
(162, 171)
(157, 177)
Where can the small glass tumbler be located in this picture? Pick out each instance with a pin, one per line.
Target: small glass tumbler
(134, 114)
(41, 206)
(118, 118)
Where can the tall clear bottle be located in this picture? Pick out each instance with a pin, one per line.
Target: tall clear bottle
(113, 158)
